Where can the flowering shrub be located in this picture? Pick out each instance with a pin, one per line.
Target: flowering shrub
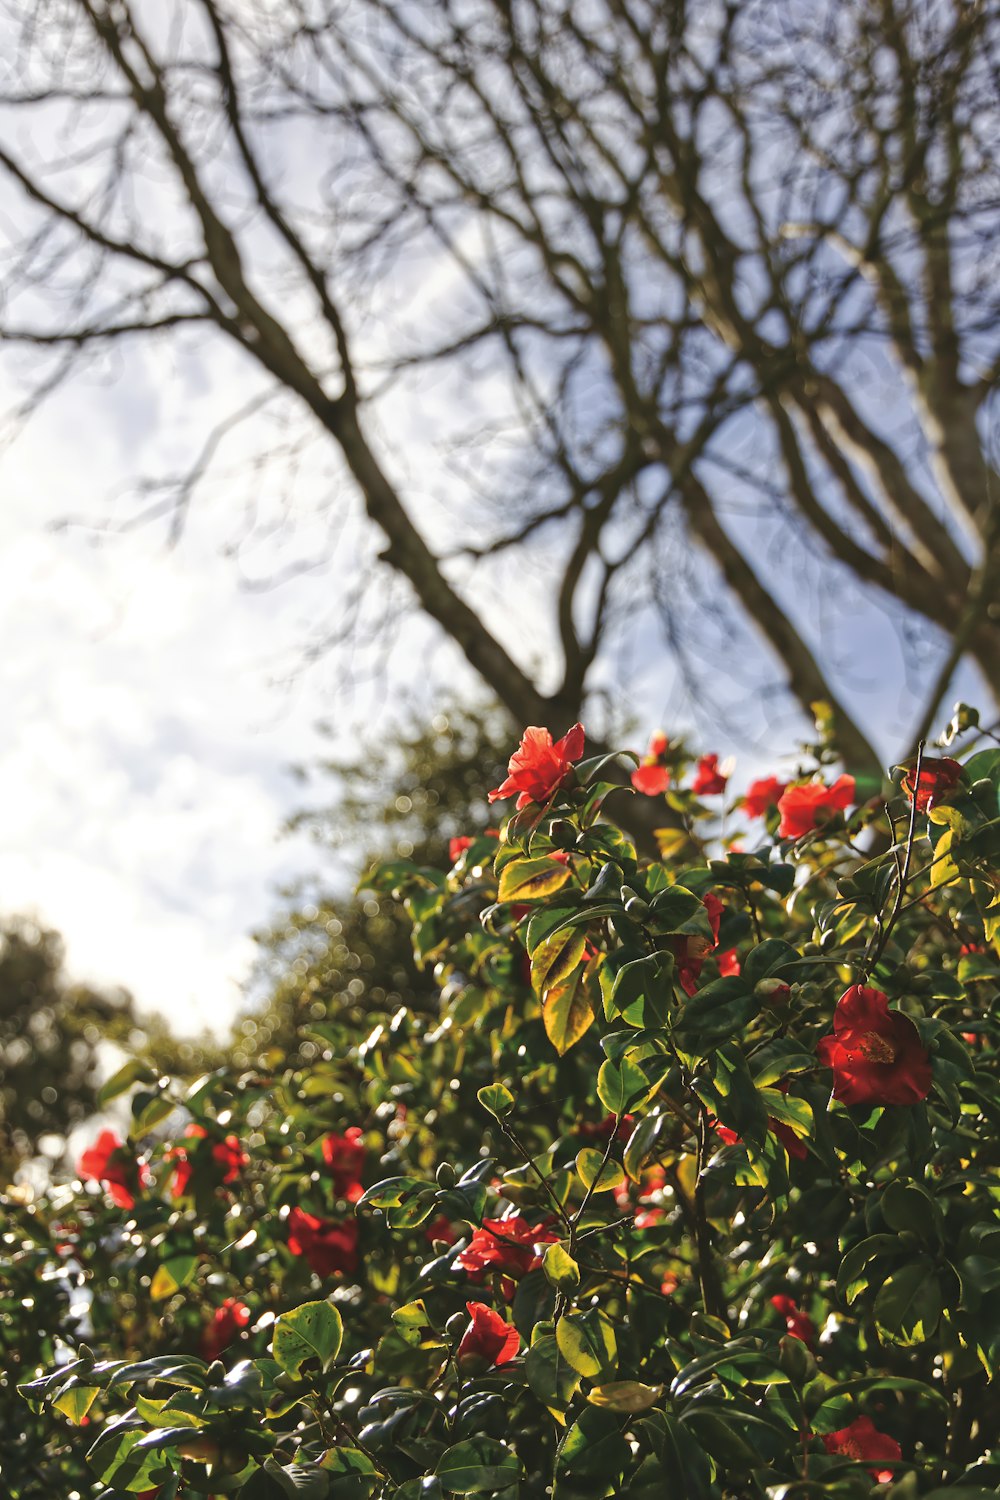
(689, 1188)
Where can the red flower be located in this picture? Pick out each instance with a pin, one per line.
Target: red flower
(108, 1161)
(345, 1156)
(228, 1156)
(708, 779)
(601, 1130)
(860, 1439)
(457, 847)
(798, 1324)
(671, 1281)
(810, 804)
(538, 767)
(440, 1229)
(651, 780)
(937, 778)
(329, 1246)
(505, 1245)
(876, 1054)
(691, 952)
(783, 1133)
(729, 963)
(762, 795)
(224, 1328)
(489, 1338)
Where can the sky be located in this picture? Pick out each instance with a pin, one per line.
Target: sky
(157, 698)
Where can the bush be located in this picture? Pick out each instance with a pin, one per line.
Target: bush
(689, 1188)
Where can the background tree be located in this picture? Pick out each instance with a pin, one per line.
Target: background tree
(677, 275)
(60, 1038)
(337, 956)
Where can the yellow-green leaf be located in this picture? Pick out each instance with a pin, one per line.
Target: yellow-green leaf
(567, 1014)
(625, 1395)
(172, 1275)
(531, 879)
(76, 1403)
(591, 1166)
(587, 1342)
(561, 1269)
(944, 868)
(555, 959)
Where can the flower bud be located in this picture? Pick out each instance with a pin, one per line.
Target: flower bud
(772, 991)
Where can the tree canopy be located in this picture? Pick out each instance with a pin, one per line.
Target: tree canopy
(685, 289)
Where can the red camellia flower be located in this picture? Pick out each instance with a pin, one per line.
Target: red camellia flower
(793, 1144)
(651, 778)
(228, 1156)
(708, 779)
(861, 1439)
(489, 1338)
(329, 1246)
(508, 1246)
(809, 804)
(798, 1324)
(729, 963)
(762, 795)
(602, 1130)
(876, 1054)
(671, 1281)
(538, 767)
(457, 846)
(440, 1229)
(345, 1156)
(937, 778)
(224, 1328)
(107, 1161)
(691, 952)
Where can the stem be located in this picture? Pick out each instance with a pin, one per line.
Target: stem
(712, 1297)
(882, 930)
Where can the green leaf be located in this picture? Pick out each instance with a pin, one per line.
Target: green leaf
(496, 1099)
(587, 1340)
(624, 1085)
(908, 1306)
(550, 1375)
(905, 1205)
(721, 1010)
(76, 1403)
(531, 879)
(678, 910)
(115, 1463)
(593, 1449)
(560, 1268)
(642, 1143)
(312, 1331)
(134, 1071)
(298, 1481)
(414, 1326)
(479, 1466)
(854, 1274)
(150, 1109)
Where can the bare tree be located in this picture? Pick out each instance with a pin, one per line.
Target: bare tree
(728, 272)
